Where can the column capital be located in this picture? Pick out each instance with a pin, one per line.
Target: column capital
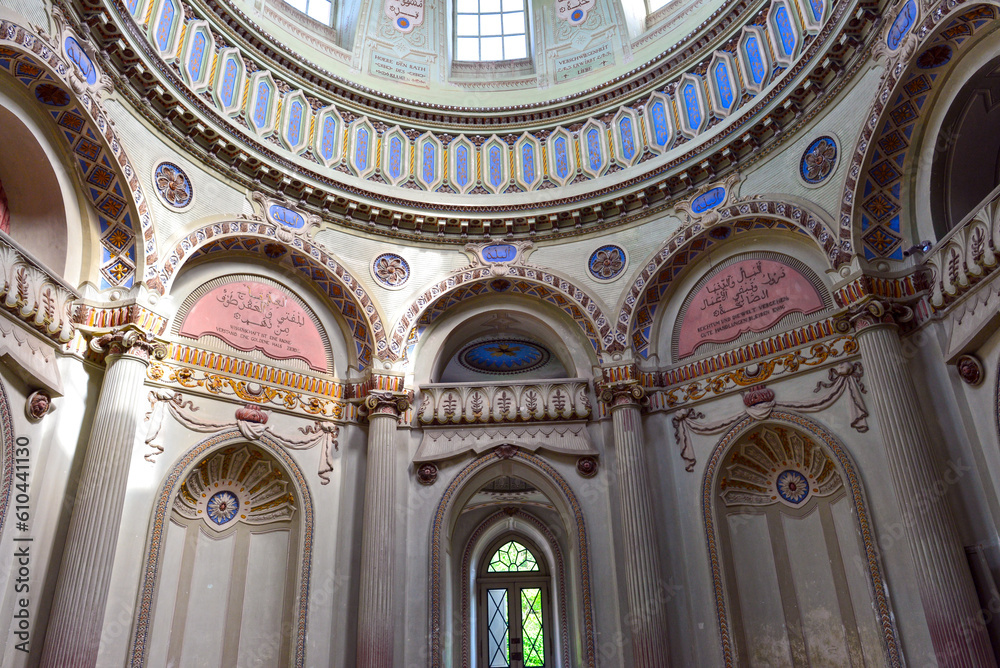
(128, 341)
(385, 402)
(623, 393)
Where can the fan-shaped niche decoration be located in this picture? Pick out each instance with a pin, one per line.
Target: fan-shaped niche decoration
(777, 466)
(235, 485)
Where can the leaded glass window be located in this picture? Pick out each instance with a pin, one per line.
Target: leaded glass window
(513, 592)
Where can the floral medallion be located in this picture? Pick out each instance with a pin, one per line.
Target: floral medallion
(936, 56)
(173, 185)
(222, 507)
(607, 263)
(51, 95)
(390, 270)
(819, 160)
(792, 486)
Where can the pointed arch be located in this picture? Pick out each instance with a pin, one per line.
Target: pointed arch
(441, 530)
(639, 304)
(107, 176)
(852, 483)
(310, 260)
(161, 516)
(573, 300)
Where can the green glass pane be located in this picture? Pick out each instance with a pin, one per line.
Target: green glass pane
(531, 628)
(498, 643)
(512, 557)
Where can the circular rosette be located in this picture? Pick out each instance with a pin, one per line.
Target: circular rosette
(173, 185)
(819, 160)
(390, 270)
(607, 263)
(222, 505)
(792, 486)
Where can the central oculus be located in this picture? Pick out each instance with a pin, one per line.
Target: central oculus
(503, 356)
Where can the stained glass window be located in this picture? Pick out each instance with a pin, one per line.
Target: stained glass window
(512, 557)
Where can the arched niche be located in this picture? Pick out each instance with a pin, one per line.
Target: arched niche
(963, 153)
(227, 564)
(45, 213)
(495, 319)
(549, 515)
(794, 561)
(317, 324)
(706, 308)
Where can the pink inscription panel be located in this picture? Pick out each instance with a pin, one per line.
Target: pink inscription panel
(751, 295)
(253, 316)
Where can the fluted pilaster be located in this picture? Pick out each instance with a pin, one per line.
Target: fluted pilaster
(74, 632)
(376, 609)
(945, 584)
(645, 621)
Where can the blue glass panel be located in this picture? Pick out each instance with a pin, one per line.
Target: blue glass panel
(594, 149)
(196, 60)
(462, 165)
(496, 168)
(260, 110)
(756, 60)
(329, 138)
(361, 150)
(785, 30)
(430, 154)
(817, 9)
(625, 132)
(395, 157)
(229, 83)
(661, 127)
(167, 13)
(691, 105)
(562, 160)
(528, 162)
(295, 123)
(723, 84)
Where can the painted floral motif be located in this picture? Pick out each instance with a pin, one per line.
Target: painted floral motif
(819, 160)
(51, 95)
(173, 185)
(222, 507)
(792, 486)
(607, 262)
(391, 270)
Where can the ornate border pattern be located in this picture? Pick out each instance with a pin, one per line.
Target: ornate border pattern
(110, 181)
(333, 279)
(7, 474)
(437, 547)
(162, 509)
(560, 569)
(877, 589)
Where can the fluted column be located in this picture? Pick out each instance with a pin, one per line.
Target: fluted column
(947, 592)
(376, 608)
(74, 631)
(645, 621)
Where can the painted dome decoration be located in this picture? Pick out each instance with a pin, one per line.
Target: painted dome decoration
(173, 185)
(503, 356)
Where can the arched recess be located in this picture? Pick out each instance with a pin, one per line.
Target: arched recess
(516, 524)
(329, 276)
(445, 621)
(7, 455)
(448, 333)
(637, 308)
(876, 207)
(106, 175)
(576, 302)
(806, 467)
(158, 548)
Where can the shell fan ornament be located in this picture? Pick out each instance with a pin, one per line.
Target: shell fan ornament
(777, 465)
(235, 485)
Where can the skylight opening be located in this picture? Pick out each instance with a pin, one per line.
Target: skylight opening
(318, 10)
(488, 30)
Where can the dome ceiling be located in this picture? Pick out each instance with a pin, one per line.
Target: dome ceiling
(614, 146)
